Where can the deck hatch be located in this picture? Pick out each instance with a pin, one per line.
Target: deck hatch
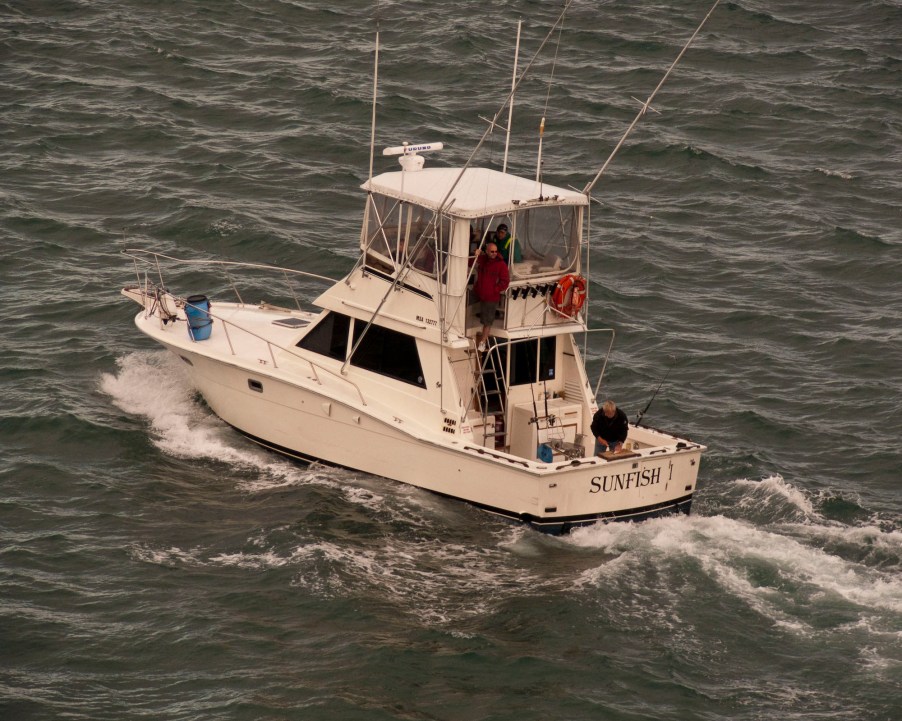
(291, 322)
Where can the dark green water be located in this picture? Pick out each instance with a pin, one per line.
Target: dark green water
(153, 565)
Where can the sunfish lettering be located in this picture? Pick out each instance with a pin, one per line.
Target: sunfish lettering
(625, 481)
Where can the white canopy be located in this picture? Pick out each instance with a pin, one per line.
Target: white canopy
(480, 191)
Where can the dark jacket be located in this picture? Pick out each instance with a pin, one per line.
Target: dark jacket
(504, 249)
(492, 278)
(613, 430)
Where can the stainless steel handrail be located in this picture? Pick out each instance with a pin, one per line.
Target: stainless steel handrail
(270, 345)
(137, 254)
(152, 258)
(499, 343)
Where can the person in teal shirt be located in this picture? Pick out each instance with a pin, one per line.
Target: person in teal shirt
(504, 240)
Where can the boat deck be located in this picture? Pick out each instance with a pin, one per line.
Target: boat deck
(246, 331)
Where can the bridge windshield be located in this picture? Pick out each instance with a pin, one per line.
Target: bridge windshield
(535, 242)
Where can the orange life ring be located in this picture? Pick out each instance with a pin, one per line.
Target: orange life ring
(569, 295)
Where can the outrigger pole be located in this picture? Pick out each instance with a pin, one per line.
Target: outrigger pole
(647, 103)
(510, 109)
(375, 87)
(494, 121)
(545, 110)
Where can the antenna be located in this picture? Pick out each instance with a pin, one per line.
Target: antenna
(375, 86)
(510, 110)
(510, 96)
(646, 105)
(410, 160)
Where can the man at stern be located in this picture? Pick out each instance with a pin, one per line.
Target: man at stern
(610, 427)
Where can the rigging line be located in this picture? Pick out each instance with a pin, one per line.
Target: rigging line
(645, 105)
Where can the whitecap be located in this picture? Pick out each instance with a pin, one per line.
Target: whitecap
(783, 579)
(775, 492)
(835, 173)
(154, 385)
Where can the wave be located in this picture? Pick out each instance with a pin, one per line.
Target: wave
(435, 580)
(153, 385)
(807, 575)
(835, 173)
(775, 554)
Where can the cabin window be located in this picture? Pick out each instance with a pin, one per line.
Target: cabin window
(549, 236)
(388, 353)
(329, 337)
(533, 360)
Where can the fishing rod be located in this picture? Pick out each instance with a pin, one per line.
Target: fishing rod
(648, 405)
(647, 104)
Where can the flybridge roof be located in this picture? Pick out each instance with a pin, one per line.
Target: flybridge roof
(480, 191)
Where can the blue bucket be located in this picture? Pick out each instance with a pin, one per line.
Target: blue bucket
(200, 324)
(545, 454)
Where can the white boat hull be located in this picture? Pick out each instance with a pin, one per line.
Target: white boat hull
(299, 417)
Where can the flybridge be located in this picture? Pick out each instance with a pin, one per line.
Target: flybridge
(474, 193)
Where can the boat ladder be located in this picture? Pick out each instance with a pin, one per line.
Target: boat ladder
(492, 394)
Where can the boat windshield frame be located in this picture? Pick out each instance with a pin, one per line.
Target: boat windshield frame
(546, 237)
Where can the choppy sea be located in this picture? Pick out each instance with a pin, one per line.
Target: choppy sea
(746, 243)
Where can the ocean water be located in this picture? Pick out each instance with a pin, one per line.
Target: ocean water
(746, 242)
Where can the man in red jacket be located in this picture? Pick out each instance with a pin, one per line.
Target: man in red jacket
(492, 279)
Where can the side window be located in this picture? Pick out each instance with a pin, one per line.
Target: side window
(547, 358)
(388, 353)
(329, 337)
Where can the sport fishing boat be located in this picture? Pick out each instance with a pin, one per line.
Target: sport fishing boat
(386, 375)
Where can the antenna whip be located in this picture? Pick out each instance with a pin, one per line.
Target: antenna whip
(375, 86)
